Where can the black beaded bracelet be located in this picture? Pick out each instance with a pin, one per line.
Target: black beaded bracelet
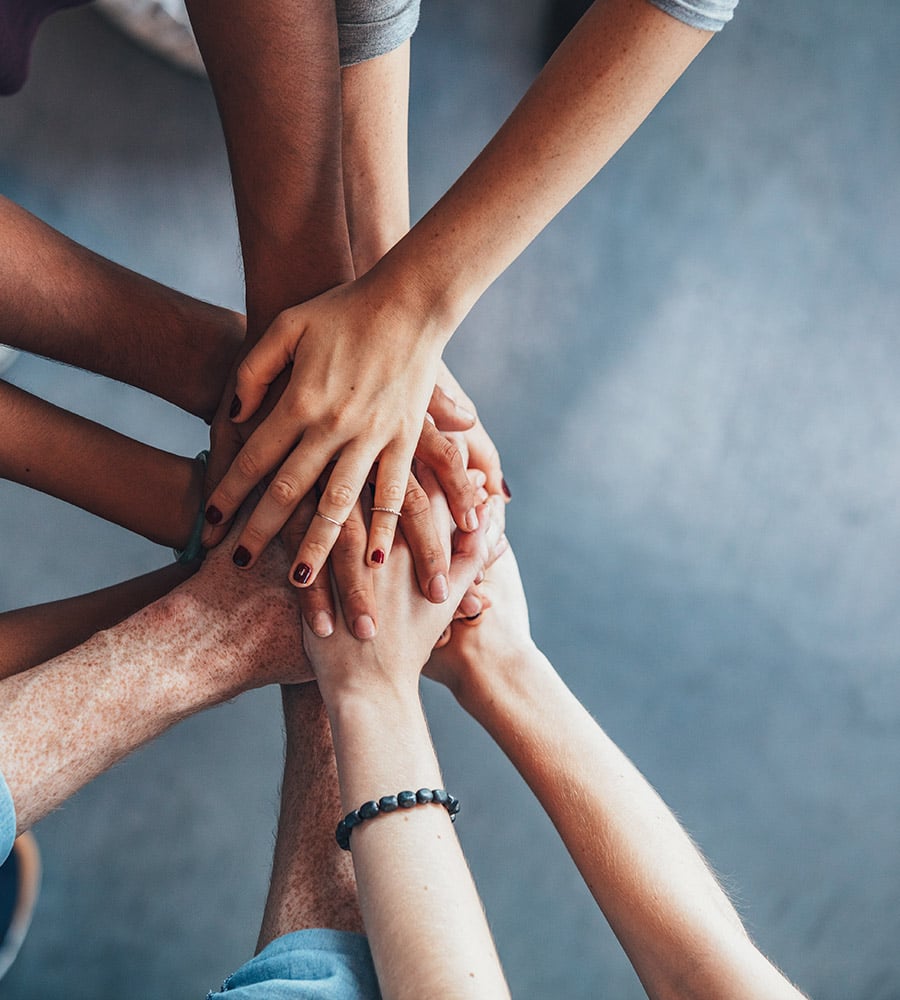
(389, 803)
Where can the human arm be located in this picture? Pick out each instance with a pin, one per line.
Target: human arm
(147, 490)
(675, 923)
(608, 75)
(63, 301)
(66, 721)
(420, 907)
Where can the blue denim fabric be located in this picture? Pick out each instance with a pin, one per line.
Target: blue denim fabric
(313, 964)
(710, 15)
(7, 821)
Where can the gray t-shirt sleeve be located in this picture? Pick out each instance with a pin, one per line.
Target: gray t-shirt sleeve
(7, 821)
(710, 15)
(370, 28)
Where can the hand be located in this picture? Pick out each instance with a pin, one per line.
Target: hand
(248, 622)
(409, 623)
(361, 378)
(471, 651)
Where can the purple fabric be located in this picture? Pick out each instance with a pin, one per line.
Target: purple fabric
(19, 23)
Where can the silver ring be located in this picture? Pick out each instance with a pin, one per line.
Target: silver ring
(388, 510)
(330, 520)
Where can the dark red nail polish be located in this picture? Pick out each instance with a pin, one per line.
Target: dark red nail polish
(213, 514)
(506, 492)
(241, 556)
(378, 556)
(235, 408)
(302, 573)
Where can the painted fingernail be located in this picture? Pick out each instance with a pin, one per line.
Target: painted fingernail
(471, 520)
(470, 606)
(364, 627)
(235, 408)
(378, 556)
(506, 492)
(241, 556)
(213, 514)
(302, 573)
(438, 590)
(472, 618)
(323, 624)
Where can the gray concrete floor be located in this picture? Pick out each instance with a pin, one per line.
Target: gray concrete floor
(693, 376)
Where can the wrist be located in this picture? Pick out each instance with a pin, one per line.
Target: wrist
(488, 682)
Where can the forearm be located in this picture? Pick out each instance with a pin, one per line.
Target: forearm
(67, 303)
(669, 913)
(29, 636)
(68, 720)
(595, 91)
(275, 73)
(374, 104)
(420, 907)
(142, 488)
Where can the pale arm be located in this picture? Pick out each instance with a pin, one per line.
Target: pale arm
(676, 924)
(420, 908)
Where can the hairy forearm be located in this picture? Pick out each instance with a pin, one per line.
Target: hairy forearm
(671, 916)
(33, 635)
(67, 303)
(420, 907)
(68, 720)
(595, 91)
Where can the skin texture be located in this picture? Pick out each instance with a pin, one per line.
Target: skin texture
(437, 942)
(347, 394)
(676, 924)
(106, 319)
(220, 633)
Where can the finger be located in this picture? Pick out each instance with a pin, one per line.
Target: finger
(268, 446)
(483, 455)
(448, 413)
(353, 578)
(317, 600)
(341, 492)
(263, 364)
(471, 552)
(443, 458)
(420, 532)
(391, 482)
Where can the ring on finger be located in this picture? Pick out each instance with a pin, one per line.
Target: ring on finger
(330, 520)
(388, 510)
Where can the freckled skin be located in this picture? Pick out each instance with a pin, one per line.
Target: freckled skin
(220, 633)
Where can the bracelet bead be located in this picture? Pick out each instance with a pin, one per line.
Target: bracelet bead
(389, 804)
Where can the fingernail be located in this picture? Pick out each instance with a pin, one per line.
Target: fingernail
(479, 577)
(506, 492)
(235, 408)
(472, 618)
(438, 590)
(213, 514)
(241, 556)
(378, 556)
(464, 413)
(302, 573)
(479, 479)
(470, 606)
(364, 627)
(323, 624)
(471, 520)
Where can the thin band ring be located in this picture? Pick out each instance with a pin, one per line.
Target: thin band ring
(388, 510)
(330, 520)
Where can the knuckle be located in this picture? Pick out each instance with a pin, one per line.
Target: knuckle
(248, 465)
(284, 491)
(391, 494)
(352, 536)
(339, 495)
(415, 502)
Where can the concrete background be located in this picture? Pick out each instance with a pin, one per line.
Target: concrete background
(693, 378)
